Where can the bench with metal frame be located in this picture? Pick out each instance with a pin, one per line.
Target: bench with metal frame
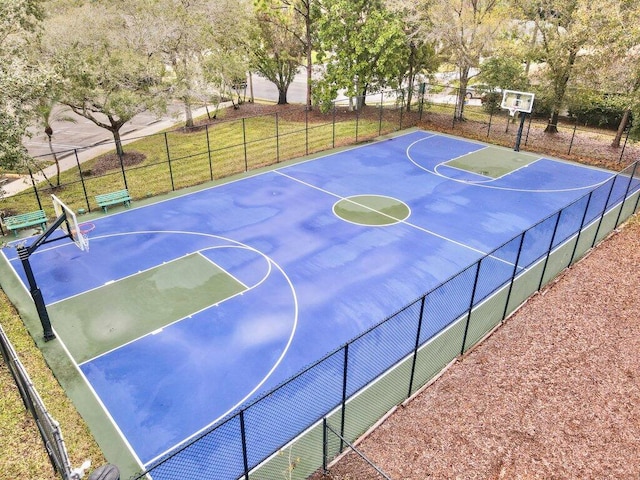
(24, 220)
(112, 198)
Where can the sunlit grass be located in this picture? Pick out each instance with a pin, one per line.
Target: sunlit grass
(23, 452)
(183, 158)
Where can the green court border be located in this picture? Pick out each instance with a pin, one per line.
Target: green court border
(106, 434)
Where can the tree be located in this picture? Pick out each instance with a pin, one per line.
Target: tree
(49, 111)
(306, 13)
(109, 75)
(421, 54)
(21, 82)
(566, 35)
(364, 47)
(463, 31)
(278, 51)
(501, 72)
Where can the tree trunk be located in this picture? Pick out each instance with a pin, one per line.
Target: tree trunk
(55, 159)
(552, 126)
(282, 96)
(188, 113)
(464, 81)
(623, 124)
(411, 76)
(118, 141)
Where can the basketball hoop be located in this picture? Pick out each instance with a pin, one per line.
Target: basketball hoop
(512, 111)
(84, 230)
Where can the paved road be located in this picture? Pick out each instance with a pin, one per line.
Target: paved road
(82, 133)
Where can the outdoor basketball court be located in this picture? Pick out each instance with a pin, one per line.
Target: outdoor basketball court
(183, 310)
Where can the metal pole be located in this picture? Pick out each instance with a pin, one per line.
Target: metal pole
(473, 294)
(277, 140)
(206, 130)
(325, 447)
(575, 127)
(124, 175)
(35, 188)
(546, 260)
(333, 144)
(416, 346)
(624, 198)
(245, 455)
(584, 217)
(604, 211)
(166, 144)
(344, 394)
(84, 188)
(380, 115)
(520, 128)
(513, 277)
(36, 294)
(624, 146)
(244, 143)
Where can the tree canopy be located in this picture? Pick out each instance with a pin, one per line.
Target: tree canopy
(22, 82)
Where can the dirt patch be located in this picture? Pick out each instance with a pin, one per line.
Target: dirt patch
(111, 161)
(552, 394)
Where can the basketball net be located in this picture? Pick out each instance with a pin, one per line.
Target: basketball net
(83, 231)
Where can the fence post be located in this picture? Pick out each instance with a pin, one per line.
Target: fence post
(124, 174)
(306, 131)
(423, 88)
(358, 106)
(526, 138)
(584, 217)
(473, 294)
(277, 140)
(575, 127)
(325, 447)
(546, 260)
(416, 346)
(380, 114)
(401, 107)
(513, 277)
(344, 394)
(245, 454)
(333, 142)
(206, 130)
(35, 188)
(166, 146)
(624, 145)
(624, 198)
(604, 211)
(244, 143)
(84, 188)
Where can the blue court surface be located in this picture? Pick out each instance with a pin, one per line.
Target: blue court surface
(293, 280)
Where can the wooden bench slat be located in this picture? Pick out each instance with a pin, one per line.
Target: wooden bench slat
(120, 196)
(23, 220)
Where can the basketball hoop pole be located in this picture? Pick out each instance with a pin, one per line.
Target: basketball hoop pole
(24, 253)
(36, 294)
(520, 129)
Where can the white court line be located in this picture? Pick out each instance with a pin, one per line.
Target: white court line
(417, 227)
(496, 187)
(253, 287)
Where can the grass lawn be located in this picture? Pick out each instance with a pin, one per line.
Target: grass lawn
(22, 453)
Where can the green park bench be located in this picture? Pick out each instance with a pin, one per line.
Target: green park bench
(112, 198)
(24, 220)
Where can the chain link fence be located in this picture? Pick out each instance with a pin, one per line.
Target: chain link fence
(47, 426)
(284, 432)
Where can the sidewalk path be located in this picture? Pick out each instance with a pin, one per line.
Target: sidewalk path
(68, 161)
